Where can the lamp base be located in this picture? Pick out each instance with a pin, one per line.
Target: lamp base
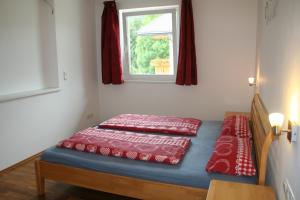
(289, 133)
(276, 130)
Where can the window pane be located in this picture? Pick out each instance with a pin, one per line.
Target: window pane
(150, 44)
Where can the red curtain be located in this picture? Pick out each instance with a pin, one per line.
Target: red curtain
(187, 66)
(110, 46)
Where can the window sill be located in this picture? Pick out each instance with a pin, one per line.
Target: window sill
(149, 81)
(19, 95)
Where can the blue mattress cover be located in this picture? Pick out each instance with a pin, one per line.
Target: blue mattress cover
(190, 172)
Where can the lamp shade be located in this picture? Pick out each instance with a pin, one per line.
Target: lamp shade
(251, 80)
(276, 119)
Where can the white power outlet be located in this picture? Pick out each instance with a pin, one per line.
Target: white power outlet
(289, 195)
(65, 76)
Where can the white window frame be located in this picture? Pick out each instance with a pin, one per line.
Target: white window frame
(124, 43)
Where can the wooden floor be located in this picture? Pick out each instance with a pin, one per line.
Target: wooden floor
(20, 184)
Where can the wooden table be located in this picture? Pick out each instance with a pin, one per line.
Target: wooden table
(222, 190)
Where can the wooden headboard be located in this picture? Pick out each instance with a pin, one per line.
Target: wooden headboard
(263, 136)
(262, 133)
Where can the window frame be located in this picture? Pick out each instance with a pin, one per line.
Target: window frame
(124, 32)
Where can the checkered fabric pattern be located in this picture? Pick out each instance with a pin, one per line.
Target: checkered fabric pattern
(236, 125)
(245, 165)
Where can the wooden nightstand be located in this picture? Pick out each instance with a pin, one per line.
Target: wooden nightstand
(222, 190)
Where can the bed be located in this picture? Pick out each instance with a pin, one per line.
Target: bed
(138, 179)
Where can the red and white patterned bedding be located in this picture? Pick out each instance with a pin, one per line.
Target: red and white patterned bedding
(232, 155)
(136, 146)
(236, 125)
(153, 123)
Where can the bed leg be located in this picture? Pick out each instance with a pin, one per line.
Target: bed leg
(40, 181)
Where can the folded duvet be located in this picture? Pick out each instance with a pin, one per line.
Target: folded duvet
(136, 146)
(153, 123)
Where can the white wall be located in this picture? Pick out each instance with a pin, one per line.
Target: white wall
(30, 125)
(20, 40)
(225, 42)
(278, 66)
(27, 46)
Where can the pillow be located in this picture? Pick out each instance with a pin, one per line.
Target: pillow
(232, 156)
(236, 125)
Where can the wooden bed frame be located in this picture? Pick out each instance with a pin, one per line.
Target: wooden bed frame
(145, 189)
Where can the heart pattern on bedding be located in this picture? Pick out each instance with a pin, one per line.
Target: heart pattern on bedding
(135, 146)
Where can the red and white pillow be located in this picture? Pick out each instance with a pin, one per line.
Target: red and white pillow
(232, 156)
(233, 150)
(236, 125)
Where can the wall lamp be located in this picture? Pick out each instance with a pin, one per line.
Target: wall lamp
(251, 81)
(276, 121)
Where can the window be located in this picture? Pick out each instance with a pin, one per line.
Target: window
(149, 43)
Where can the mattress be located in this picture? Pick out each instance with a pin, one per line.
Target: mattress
(190, 172)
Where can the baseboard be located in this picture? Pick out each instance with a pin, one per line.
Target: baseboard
(19, 164)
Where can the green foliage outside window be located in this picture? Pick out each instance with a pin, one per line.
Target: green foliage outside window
(144, 48)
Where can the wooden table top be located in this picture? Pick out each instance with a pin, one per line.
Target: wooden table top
(223, 190)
